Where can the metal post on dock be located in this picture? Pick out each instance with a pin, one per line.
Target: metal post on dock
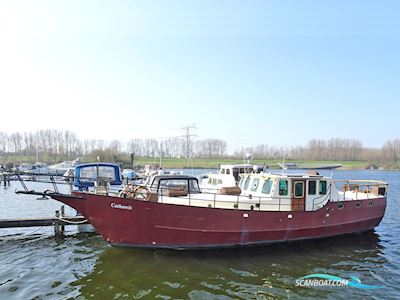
(62, 216)
(6, 178)
(57, 224)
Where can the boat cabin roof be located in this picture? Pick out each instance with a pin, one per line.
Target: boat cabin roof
(236, 166)
(243, 167)
(293, 176)
(157, 178)
(166, 182)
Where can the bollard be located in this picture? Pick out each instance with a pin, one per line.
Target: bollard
(62, 216)
(57, 224)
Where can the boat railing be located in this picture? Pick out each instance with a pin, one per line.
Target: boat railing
(361, 189)
(353, 190)
(101, 184)
(323, 199)
(215, 200)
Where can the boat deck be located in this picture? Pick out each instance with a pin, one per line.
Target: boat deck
(229, 202)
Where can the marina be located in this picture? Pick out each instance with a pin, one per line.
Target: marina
(201, 150)
(241, 273)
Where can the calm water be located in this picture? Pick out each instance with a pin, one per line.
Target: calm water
(36, 265)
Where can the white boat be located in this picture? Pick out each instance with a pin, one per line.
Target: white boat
(24, 167)
(38, 169)
(228, 176)
(129, 174)
(62, 167)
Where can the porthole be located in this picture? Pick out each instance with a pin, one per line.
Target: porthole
(358, 204)
(340, 205)
(370, 203)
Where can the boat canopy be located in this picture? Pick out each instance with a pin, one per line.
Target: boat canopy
(87, 174)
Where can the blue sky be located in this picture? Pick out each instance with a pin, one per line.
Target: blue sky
(248, 72)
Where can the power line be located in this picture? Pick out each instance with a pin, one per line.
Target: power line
(187, 135)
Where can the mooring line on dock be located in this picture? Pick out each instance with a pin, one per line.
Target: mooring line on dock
(71, 222)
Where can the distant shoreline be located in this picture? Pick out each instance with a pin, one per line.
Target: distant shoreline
(200, 163)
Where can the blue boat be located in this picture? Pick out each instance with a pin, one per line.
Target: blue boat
(89, 174)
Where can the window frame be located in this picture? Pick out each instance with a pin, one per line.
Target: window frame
(270, 186)
(295, 182)
(287, 187)
(255, 180)
(320, 184)
(315, 187)
(246, 183)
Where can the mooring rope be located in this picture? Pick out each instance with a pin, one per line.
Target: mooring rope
(72, 222)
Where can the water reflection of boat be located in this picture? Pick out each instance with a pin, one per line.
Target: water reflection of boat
(267, 271)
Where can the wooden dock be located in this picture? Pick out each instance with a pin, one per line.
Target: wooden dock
(38, 222)
(59, 221)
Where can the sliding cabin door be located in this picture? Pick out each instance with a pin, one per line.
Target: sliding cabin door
(298, 195)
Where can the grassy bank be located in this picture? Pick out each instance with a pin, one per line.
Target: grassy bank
(214, 163)
(178, 163)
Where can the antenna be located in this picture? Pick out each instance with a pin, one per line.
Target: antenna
(249, 157)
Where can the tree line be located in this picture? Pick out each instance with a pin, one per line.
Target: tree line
(68, 144)
(335, 149)
(56, 143)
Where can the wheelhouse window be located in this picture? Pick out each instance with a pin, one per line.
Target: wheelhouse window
(267, 185)
(312, 187)
(89, 174)
(228, 171)
(283, 187)
(322, 187)
(246, 183)
(298, 189)
(254, 184)
(381, 191)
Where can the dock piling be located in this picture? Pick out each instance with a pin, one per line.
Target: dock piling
(57, 227)
(62, 226)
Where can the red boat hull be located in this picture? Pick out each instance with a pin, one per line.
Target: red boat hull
(138, 223)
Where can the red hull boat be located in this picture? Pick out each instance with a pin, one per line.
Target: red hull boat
(138, 223)
(171, 211)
